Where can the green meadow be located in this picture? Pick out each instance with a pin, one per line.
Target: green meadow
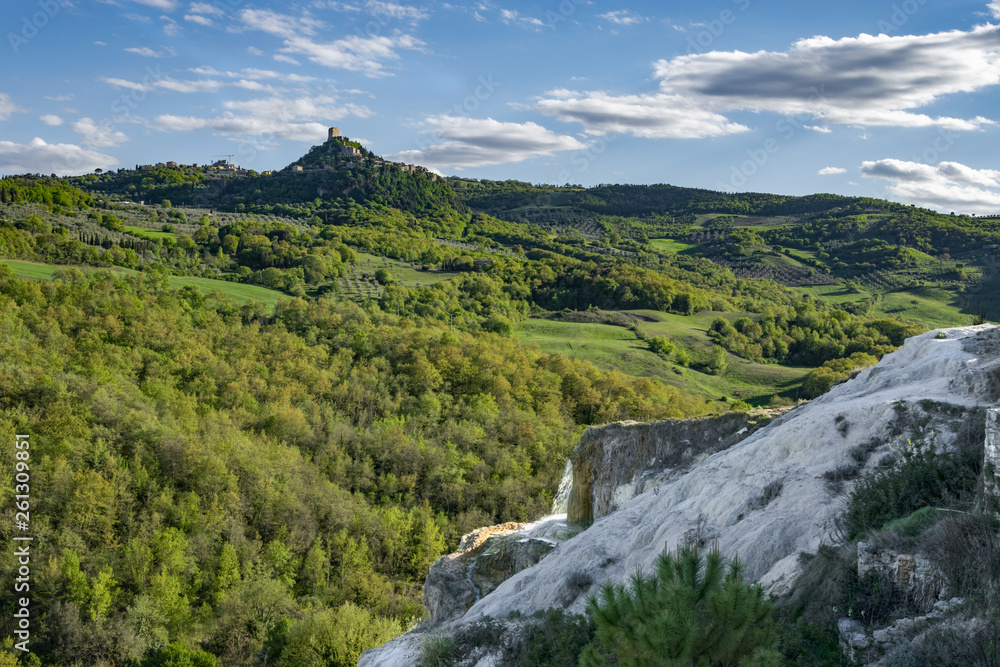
(237, 291)
(613, 347)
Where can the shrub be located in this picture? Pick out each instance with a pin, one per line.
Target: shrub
(967, 547)
(771, 491)
(660, 345)
(437, 651)
(923, 477)
(177, 655)
(553, 639)
(832, 372)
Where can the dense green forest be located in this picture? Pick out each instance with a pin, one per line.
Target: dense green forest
(218, 481)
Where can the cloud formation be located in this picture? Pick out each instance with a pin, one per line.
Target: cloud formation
(8, 107)
(949, 186)
(831, 171)
(471, 142)
(866, 80)
(98, 136)
(366, 55)
(43, 158)
(261, 122)
(622, 17)
(657, 116)
(165, 5)
(150, 53)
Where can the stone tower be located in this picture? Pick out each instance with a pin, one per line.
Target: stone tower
(334, 132)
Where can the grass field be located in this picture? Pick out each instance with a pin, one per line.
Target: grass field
(240, 292)
(614, 347)
(151, 233)
(33, 270)
(401, 271)
(835, 294)
(930, 307)
(236, 291)
(670, 246)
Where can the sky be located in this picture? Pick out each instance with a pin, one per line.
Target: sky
(895, 99)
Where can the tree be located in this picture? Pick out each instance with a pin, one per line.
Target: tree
(336, 637)
(660, 345)
(718, 362)
(228, 573)
(691, 611)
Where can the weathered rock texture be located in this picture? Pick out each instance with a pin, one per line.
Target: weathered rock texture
(916, 576)
(502, 557)
(991, 456)
(617, 462)
(720, 498)
(449, 590)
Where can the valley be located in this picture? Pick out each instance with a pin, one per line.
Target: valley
(272, 401)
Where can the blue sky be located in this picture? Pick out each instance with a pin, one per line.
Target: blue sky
(894, 99)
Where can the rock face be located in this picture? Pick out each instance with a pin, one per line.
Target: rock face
(614, 463)
(766, 498)
(991, 462)
(504, 556)
(916, 576)
(450, 589)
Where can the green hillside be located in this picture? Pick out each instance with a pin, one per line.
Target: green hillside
(265, 403)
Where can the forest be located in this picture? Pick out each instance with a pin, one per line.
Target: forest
(219, 482)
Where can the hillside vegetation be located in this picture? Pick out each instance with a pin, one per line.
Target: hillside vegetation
(226, 476)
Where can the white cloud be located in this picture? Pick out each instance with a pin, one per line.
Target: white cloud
(8, 107)
(830, 171)
(513, 16)
(51, 119)
(198, 86)
(298, 108)
(164, 5)
(167, 83)
(124, 83)
(254, 73)
(171, 27)
(366, 55)
(818, 128)
(395, 11)
(254, 51)
(282, 58)
(256, 131)
(471, 142)
(281, 25)
(861, 81)
(354, 53)
(659, 116)
(151, 53)
(59, 98)
(622, 17)
(40, 157)
(994, 8)
(205, 8)
(949, 186)
(264, 121)
(98, 136)
(199, 19)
